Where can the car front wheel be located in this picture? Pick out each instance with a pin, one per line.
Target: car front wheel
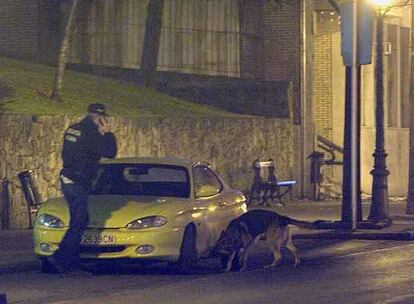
(188, 252)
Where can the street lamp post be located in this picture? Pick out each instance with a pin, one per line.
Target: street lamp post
(379, 205)
(356, 30)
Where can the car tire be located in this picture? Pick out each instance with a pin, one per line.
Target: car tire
(188, 252)
(46, 267)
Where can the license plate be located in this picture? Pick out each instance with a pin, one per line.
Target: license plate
(98, 239)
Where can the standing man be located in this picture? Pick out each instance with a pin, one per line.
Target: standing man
(85, 143)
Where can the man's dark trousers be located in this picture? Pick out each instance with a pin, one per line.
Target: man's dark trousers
(68, 254)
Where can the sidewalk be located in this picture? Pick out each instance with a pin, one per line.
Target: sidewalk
(402, 227)
(16, 246)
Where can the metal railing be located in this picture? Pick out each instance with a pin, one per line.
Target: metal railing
(331, 148)
(319, 161)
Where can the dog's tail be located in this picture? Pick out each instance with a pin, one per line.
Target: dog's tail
(285, 220)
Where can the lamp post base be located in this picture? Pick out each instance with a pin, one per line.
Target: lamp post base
(379, 205)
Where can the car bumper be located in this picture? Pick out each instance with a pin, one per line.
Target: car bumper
(163, 243)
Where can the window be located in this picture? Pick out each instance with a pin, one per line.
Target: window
(204, 176)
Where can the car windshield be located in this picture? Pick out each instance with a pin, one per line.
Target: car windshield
(142, 179)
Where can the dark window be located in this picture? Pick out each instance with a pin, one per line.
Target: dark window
(142, 179)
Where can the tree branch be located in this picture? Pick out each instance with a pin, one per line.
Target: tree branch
(334, 4)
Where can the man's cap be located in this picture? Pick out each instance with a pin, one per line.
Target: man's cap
(97, 108)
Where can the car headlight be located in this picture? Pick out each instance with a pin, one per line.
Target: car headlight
(147, 222)
(49, 221)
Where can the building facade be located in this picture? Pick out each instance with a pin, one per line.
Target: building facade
(329, 99)
(288, 51)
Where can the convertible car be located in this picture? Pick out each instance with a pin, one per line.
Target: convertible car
(147, 209)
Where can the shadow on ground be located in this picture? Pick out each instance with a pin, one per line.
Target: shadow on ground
(260, 257)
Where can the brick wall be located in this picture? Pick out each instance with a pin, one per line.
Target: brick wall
(322, 85)
(282, 46)
(19, 27)
(281, 30)
(251, 39)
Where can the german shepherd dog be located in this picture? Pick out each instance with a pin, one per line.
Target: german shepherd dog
(252, 226)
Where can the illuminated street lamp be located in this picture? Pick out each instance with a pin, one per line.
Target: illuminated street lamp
(381, 3)
(379, 205)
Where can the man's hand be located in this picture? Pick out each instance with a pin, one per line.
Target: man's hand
(103, 126)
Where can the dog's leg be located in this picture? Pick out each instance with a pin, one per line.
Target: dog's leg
(243, 257)
(277, 256)
(292, 248)
(230, 261)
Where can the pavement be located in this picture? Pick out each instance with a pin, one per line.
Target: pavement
(16, 246)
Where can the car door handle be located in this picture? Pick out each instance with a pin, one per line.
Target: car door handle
(222, 204)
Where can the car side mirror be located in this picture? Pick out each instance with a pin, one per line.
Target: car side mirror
(206, 190)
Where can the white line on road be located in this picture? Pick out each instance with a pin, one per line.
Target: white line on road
(367, 252)
(398, 299)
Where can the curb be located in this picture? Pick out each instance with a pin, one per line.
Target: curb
(409, 218)
(344, 235)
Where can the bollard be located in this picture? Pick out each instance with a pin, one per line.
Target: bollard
(3, 298)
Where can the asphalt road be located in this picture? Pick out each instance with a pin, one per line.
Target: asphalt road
(357, 271)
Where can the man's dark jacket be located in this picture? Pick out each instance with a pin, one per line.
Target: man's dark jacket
(83, 147)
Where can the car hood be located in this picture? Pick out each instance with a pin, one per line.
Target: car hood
(116, 211)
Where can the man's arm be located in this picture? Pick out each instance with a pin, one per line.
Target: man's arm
(104, 142)
(107, 146)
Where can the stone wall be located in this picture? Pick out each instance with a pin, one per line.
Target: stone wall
(228, 144)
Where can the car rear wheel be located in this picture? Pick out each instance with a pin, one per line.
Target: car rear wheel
(188, 251)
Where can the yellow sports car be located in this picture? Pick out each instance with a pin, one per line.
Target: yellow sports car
(150, 209)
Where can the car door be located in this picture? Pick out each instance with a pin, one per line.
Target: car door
(210, 206)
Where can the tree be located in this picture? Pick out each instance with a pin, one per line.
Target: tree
(152, 37)
(58, 83)
(335, 5)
